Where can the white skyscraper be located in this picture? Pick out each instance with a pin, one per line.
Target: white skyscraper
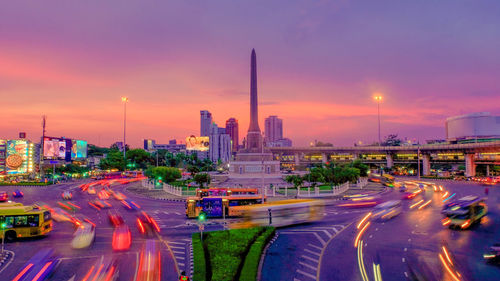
(274, 128)
(220, 144)
(205, 123)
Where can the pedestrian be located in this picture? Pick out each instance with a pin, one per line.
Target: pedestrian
(486, 191)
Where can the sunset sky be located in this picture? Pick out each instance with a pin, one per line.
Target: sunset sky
(319, 65)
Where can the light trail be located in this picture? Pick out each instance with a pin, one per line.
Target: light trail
(414, 205)
(449, 197)
(360, 233)
(363, 220)
(425, 204)
(361, 264)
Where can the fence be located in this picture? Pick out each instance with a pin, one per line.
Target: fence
(336, 190)
(362, 182)
(174, 190)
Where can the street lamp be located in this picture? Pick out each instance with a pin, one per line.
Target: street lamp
(124, 100)
(3, 235)
(378, 99)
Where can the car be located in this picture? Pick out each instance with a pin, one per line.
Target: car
(114, 218)
(150, 262)
(67, 195)
(91, 190)
(105, 269)
(493, 254)
(130, 205)
(121, 238)
(39, 267)
(387, 210)
(3, 196)
(146, 224)
(103, 195)
(17, 193)
(119, 196)
(101, 204)
(84, 236)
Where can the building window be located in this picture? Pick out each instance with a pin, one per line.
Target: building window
(241, 170)
(268, 169)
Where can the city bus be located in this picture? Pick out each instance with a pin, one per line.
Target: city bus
(214, 206)
(464, 212)
(203, 192)
(25, 221)
(281, 213)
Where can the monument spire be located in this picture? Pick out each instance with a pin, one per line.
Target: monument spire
(254, 138)
(254, 107)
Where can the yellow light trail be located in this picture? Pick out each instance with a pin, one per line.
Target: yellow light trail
(413, 206)
(364, 219)
(361, 264)
(360, 233)
(425, 204)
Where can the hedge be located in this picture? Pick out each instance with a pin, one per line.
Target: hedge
(251, 264)
(25, 183)
(437, 178)
(200, 270)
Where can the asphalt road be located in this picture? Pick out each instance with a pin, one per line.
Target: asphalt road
(322, 250)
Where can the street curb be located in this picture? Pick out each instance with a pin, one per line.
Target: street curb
(263, 256)
(6, 259)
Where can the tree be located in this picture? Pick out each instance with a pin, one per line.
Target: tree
(192, 169)
(141, 158)
(165, 174)
(202, 178)
(114, 146)
(114, 160)
(94, 150)
(315, 176)
(296, 180)
(363, 168)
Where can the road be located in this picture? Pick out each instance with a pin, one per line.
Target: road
(322, 250)
(325, 250)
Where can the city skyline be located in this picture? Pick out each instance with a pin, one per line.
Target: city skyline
(314, 72)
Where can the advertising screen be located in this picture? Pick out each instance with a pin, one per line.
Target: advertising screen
(197, 143)
(78, 149)
(2, 157)
(17, 157)
(55, 148)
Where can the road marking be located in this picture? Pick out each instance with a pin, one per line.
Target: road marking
(406, 274)
(177, 247)
(306, 274)
(177, 252)
(406, 249)
(11, 259)
(310, 232)
(314, 246)
(295, 279)
(309, 266)
(323, 251)
(314, 253)
(309, 258)
(181, 258)
(403, 259)
(178, 243)
(136, 265)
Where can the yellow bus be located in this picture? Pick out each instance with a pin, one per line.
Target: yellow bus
(282, 213)
(216, 206)
(24, 221)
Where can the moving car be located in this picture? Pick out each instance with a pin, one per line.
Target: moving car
(105, 269)
(84, 236)
(67, 195)
(146, 224)
(387, 210)
(464, 212)
(114, 218)
(119, 196)
(149, 262)
(103, 195)
(121, 238)
(493, 254)
(91, 190)
(3, 196)
(130, 205)
(17, 193)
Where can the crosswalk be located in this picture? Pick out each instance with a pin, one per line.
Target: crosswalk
(183, 254)
(309, 258)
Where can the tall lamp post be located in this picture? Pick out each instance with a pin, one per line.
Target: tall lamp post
(378, 99)
(124, 100)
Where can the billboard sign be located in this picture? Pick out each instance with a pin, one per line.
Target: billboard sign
(56, 148)
(17, 157)
(2, 156)
(78, 149)
(197, 143)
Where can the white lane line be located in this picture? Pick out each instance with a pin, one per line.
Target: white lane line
(328, 234)
(177, 213)
(311, 252)
(136, 264)
(309, 258)
(306, 274)
(177, 252)
(309, 266)
(403, 259)
(314, 246)
(180, 264)
(295, 279)
(177, 247)
(180, 258)
(311, 232)
(406, 274)
(178, 243)
(406, 249)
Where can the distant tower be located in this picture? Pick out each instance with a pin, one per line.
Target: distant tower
(254, 137)
(205, 122)
(232, 130)
(273, 128)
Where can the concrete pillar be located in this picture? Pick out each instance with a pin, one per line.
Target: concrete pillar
(390, 160)
(426, 164)
(470, 167)
(296, 157)
(324, 158)
(487, 170)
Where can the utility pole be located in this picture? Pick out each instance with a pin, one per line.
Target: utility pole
(44, 121)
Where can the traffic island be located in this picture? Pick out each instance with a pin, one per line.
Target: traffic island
(5, 259)
(229, 254)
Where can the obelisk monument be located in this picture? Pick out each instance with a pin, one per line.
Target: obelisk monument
(254, 137)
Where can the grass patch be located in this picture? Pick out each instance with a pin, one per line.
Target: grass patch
(230, 254)
(25, 183)
(251, 264)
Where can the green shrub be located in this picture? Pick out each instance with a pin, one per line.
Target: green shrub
(200, 264)
(25, 183)
(251, 264)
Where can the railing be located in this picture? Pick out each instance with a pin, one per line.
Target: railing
(174, 190)
(336, 190)
(362, 182)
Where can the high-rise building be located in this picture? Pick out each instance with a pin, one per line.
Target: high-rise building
(149, 144)
(205, 123)
(274, 128)
(220, 145)
(232, 131)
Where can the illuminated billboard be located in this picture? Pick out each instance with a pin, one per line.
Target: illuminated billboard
(56, 148)
(2, 157)
(78, 149)
(197, 143)
(18, 156)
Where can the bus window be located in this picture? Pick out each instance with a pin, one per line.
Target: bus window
(20, 221)
(46, 216)
(33, 220)
(9, 221)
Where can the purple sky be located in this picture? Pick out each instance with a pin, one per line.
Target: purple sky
(319, 65)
